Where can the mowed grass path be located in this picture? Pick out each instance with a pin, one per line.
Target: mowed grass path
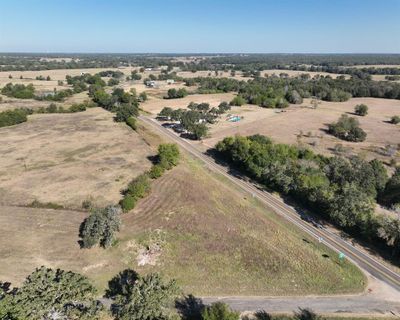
(217, 242)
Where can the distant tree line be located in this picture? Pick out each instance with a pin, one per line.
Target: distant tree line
(277, 92)
(344, 191)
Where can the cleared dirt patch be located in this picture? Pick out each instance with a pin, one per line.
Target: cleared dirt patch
(69, 158)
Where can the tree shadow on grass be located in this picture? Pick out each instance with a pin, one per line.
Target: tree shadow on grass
(190, 307)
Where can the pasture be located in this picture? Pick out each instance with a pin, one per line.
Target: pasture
(69, 158)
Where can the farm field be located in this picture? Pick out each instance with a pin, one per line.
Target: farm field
(201, 232)
(69, 158)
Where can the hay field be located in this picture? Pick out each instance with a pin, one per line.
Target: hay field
(69, 158)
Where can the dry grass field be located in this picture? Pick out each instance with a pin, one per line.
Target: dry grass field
(285, 126)
(202, 232)
(69, 158)
(155, 105)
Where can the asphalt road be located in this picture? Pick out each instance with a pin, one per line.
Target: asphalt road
(363, 260)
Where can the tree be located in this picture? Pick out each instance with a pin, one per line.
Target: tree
(48, 78)
(294, 97)
(347, 128)
(52, 294)
(148, 298)
(199, 130)
(351, 206)
(143, 96)
(100, 227)
(219, 311)
(361, 110)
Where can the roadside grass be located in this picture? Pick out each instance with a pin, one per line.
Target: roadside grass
(217, 242)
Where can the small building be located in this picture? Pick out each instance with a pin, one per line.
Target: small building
(170, 81)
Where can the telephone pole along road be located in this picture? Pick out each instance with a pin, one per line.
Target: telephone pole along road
(333, 241)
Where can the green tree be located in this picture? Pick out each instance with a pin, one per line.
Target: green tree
(148, 298)
(347, 128)
(100, 227)
(48, 293)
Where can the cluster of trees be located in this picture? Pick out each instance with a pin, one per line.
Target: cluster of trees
(393, 78)
(277, 92)
(42, 78)
(344, 190)
(175, 94)
(100, 227)
(166, 159)
(76, 107)
(80, 83)
(60, 294)
(21, 91)
(12, 117)
(135, 75)
(194, 120)
(347, 128)
(124, 104)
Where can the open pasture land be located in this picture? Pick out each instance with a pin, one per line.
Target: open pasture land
(201, 231)
(155, 105)
(69, 158)
(285, 125)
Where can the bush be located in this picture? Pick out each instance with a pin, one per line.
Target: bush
(219, 311)
(168, 155)
(128, 203)
(347, 128)
(12, 117)
(238, 101)
(361, 110)
(139, 187)
(156, 171)
(77, 108)
(395, 120)
(131, 121)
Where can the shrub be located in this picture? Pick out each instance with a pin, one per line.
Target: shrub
(168, 155)
(238, 101)
(219, 311)
(361, 110)
(156, 171)
(77, 108)
(395, 120)
(12, 117)
(139, 187)
(347, 128)
(131, 121)
(128, 203)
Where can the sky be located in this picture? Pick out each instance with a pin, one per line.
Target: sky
(200, 26)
